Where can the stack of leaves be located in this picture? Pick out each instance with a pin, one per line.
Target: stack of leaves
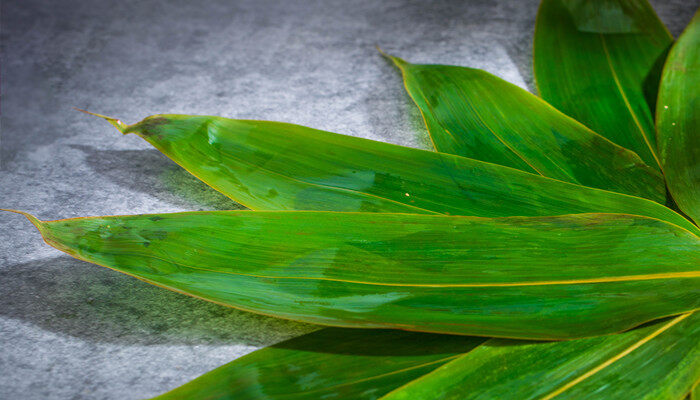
(536, 248)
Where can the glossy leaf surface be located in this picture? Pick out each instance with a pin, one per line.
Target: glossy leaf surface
(657, 361)
(477, 115)
(331, 363)
(277, 166)
(600, 62)
(524, 277)
(678, 120)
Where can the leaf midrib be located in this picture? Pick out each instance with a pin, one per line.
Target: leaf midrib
(618, 85)
(623, 278)
(615, 358)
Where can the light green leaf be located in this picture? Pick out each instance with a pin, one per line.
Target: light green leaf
(278, 166)
(331, 363)
(477, 115)
(600, 62)
(678, 120)
(657, 361)
(556, 277)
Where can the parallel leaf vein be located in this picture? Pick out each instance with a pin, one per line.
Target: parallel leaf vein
(626, 100)
(626, 278)
(616, 357)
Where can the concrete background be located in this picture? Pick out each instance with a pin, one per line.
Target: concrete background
(72, 330)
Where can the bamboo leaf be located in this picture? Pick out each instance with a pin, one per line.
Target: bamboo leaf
(537, 277)
(278, 166)
(604, 367)
(678, 120)
(600, 63)
(524, 277)
(657, 361)
(477, 115)
(330, 363)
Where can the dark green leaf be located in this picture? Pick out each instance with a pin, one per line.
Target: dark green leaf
(599, 62)
(678, 120)
(332, 363)
(523, 277)
(353, 364)
(657, 361)
(474, 114)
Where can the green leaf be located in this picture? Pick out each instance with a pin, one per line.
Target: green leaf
(523, 277)
(600, 62)
(657, 361)
(278, 166)
(330, 363)
(362, 364)
(474, 114)
(678, 120)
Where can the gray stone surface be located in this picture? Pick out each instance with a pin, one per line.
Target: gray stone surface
(71, 330)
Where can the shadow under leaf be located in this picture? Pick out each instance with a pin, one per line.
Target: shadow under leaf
(86, 301)
(150, 172)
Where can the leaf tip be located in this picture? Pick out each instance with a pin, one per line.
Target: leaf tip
(121, 127)
(396, 60)
(34, 220)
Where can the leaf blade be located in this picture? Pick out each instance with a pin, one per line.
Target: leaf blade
(333, 362)
(622, 45)
(474, 114)
(377, 270)
(278, 166)
(609, 367)
(678, 124)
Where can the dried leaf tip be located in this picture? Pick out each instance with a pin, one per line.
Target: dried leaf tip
(121, 127)
(34, 220)
(396, 60)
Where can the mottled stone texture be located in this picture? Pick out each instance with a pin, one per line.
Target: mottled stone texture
(71, 330)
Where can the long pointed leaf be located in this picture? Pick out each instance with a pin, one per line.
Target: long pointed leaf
(600, 62)
(658, 361)
(322, 364)
(477, 115)
(330, 363)
(277, 166)
(678, 120)
(524, 277)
